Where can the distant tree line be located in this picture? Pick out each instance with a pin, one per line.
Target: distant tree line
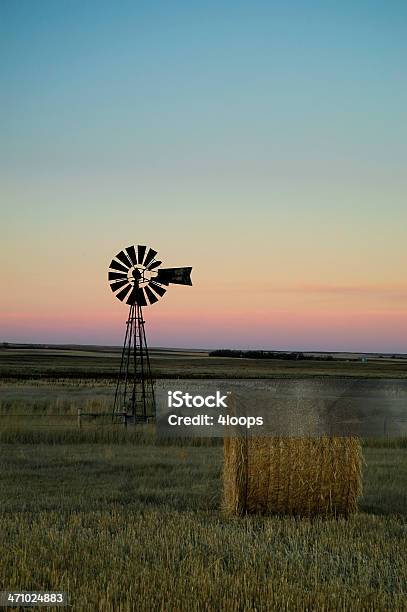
(269, 355)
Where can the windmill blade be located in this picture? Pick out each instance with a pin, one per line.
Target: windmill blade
(151, 297)
(132, 297)
(157, 288)
(116, 276)
(115, 265)
(140, 253)
(141, 300)
(153, 265)
(149, 257)
(118, 284)
(132, 255)
(122, 294)
(176, 276)
(123, 258)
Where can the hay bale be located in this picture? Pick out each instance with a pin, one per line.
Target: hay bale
(297, 476)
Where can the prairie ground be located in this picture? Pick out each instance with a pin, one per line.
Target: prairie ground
(103, 363)
(129, 527)
(123, 521)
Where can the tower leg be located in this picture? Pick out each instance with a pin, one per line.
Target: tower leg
(134, 400)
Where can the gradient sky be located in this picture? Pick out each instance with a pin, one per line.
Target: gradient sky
(262, 143)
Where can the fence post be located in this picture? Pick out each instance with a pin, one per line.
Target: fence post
(79, 419)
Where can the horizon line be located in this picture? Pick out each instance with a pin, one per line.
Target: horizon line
(7, 344)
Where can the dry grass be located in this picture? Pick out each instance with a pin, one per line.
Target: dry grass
(122, 524)
(122, 528)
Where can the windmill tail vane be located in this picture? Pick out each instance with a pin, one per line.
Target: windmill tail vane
(135, 276)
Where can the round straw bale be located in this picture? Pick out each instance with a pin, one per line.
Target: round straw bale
(298, 476)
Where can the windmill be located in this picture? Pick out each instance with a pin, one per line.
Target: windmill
(135, 277)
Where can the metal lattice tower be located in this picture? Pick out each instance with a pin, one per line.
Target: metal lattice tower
(135, 276)
(134, 399)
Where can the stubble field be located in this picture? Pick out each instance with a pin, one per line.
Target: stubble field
(122, 521)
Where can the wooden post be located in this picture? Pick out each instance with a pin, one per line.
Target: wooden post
(79, 419)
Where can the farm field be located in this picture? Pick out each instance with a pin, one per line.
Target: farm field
(124, 521)
(129, 527)
(103, 363)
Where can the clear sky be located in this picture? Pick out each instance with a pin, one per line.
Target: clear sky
(262, 143)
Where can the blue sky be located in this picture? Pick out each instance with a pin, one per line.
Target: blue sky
(182, 78)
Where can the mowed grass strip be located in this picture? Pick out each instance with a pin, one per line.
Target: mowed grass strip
(139, 528)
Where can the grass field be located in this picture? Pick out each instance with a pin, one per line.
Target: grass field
(123, 527)
(122, 521)
(103, 363)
